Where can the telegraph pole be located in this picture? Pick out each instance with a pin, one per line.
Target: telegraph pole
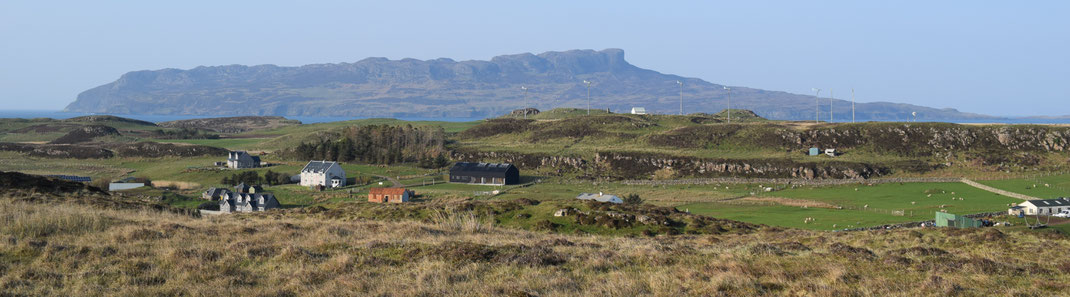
(831, 99)
(681, 96)
(817, 105)
(588, 96)
(525, 100)
(729, 103)
(852, 105)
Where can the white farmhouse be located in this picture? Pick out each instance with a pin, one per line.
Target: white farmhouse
(323, 173)
(242, 159)
(1041, 207)
(638, 110)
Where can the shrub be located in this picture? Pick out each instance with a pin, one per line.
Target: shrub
(633, 199)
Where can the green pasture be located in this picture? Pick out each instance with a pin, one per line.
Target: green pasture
(1045, 187)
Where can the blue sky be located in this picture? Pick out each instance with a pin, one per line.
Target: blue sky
(992, 57)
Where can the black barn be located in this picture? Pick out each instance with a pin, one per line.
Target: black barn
(484, 173)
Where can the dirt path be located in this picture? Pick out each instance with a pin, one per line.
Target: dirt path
(998, 191)
(396, 182)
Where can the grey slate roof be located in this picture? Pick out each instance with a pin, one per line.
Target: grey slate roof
(318, 166)
(216, 192)
(464, 168)
(73, 178)
(1061, 202)
(600, 197)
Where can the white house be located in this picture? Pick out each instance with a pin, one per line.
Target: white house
(244, 202)
(242, 159)
(638, 110)
(323, 173)
(1041, 207)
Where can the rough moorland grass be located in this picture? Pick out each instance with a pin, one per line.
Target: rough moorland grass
(31, 221)
(263, 255)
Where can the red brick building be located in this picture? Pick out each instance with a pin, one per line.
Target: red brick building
(392, 195)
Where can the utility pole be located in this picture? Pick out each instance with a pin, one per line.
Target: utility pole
(817, 105)
(729, 103)
(588, 97)
(852, 105)
(681, 96)
(831, 99)
(525, 100)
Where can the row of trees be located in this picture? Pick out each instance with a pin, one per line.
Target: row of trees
(378, 144)
(254, 178)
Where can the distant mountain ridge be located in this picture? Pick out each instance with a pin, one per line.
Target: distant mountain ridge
(378, 87)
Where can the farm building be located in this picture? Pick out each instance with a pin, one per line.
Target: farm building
(248, 189)
(815, 151)
(214, 194)
(328, 174)
(638, 110)
(944, 219)
(391, 195)
(1041, 207)
(242, 159)
(484, 173)
(73, 178)
(600, 198)
(242, 202)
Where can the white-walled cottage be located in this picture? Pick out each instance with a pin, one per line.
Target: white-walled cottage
(323, 173)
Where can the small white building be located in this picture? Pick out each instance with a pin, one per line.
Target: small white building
(323, 173)
(245, 202)
(1045, 207)
(638, 110)
(830, 152)
(600, 198)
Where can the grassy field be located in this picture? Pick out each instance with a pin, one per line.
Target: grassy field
(1044, 187)
(227, 143)
(840, 207)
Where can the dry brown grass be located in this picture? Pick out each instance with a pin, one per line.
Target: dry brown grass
(147, 253)
(180, 185)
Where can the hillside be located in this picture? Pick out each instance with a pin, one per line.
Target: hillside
(377, 87)
(232, 124)
(624, 146)
(51, 247)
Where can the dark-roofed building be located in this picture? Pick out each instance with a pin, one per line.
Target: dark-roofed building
(484, 173)
(248, 189)
(214, 194)
(73, 178)
(242, 159)
(242, 202)
(1043, 207)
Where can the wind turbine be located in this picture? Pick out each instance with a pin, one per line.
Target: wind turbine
(729, 103)
(817, 105)
(588, 96)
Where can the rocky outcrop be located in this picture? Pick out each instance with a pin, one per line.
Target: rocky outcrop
(623, 165)
(157, 150)
(85, 134)
(232, 124)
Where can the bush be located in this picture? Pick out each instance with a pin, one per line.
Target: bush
(633, 199)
